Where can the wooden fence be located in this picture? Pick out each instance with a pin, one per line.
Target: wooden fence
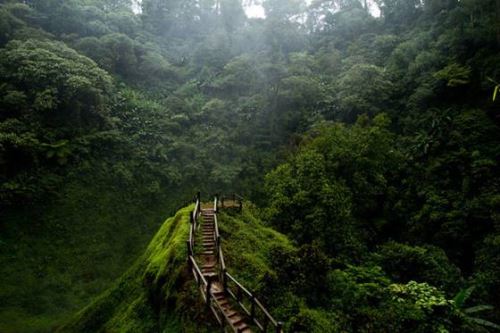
(247, 302)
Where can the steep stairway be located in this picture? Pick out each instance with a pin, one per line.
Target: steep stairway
(234, 307)
(208, 260)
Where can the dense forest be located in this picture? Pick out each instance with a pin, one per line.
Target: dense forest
(366, 132)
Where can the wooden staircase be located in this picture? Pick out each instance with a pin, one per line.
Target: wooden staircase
(208, 259)
(233, 306)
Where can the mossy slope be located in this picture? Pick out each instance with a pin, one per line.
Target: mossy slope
(157, 294)
(248, 244)
(135, 302)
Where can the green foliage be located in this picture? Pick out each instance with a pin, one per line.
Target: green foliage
(423, 295)
(404, 263)
(314, 321)
(194, 95)
(365, 300)
(127, 306)
(454, 75)
(335, 178)
(247, 245)
(475, 323)
(60, 84)
(363, 89)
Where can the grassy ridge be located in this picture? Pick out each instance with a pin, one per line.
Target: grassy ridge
(247, 244)
(157, 293)
(131, 304)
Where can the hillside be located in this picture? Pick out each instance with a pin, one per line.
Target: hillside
(157, 293)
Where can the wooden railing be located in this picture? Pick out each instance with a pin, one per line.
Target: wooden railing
(247, 301)
(193, 217)
(235, 200)
(252, 307)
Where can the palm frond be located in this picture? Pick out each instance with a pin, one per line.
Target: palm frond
(478, 308)
(462, 296)
(485, 323)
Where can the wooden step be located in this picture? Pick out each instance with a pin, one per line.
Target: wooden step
(236, 320)
(224, 303)
(206, 271)
(208, 274)
(219, 295)
(231, 313)
(242, 327)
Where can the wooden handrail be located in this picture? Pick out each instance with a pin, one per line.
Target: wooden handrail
(241, 293)
(197, 272)
(239, 285)
(216, 231)
(217, 306)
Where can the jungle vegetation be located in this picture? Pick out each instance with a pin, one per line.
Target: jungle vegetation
(365, 132)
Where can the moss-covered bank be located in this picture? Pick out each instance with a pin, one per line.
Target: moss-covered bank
(148, 291)
(157, 294)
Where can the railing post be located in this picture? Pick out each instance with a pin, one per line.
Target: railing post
(279, 327)
(224, 279)
(216, 208)
(209, 287)
(252, 307)
(198, 196)
(239, 295)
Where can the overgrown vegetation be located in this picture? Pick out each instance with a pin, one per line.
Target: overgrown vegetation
(370, 141)
(151, 287)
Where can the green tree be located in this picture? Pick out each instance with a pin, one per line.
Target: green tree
(362, 89)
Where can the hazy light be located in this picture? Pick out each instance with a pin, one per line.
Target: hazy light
(255, 11)
(136, 6)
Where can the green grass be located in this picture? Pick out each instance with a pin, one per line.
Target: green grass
(56, 257)
(134, 302)
(247, 244)
(158, 293)
(61, 264)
